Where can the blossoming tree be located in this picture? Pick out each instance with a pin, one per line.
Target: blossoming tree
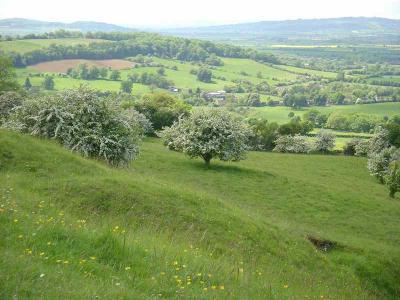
(209, 133)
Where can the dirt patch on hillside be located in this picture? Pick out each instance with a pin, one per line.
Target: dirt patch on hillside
(61, 66)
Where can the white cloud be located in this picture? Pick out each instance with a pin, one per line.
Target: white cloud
(190, 12)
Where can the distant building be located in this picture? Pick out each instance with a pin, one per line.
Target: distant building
(174, 89)
(220, 95)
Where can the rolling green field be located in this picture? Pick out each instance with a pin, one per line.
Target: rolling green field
(323, 74)
(279, 114)
(23, 46)
(61, 83)
(168, 227)
(181, 77)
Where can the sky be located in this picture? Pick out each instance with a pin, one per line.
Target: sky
(179, 13)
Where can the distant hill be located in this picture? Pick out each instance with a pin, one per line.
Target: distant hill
(23, 26)
(360, 29)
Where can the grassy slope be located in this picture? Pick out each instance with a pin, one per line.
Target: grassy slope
(237, 230)
(23, 46)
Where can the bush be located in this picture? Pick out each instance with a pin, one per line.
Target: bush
(161, 109)
(208, 134)
(393, 178)
(48, 83)
(362, 148)
(357, 122)
(204, 75)
(82, 122)
(350, 147)
(264, 134)
(292, 144)
(8, 101)
(325, 141)
(378, 162)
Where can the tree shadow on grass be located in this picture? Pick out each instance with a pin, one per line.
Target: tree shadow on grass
(221, 168)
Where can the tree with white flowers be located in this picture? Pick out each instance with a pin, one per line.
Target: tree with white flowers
(209, 133)
(325, 141)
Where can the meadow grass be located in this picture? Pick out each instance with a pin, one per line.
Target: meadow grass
(168, 227)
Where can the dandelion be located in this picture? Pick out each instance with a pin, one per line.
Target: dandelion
(15, 220)
(42, 275)
(93, 257)
(177, 269)
(183, 266)
(213, 287)
(199, 274)
(127, 268)
(48, 243)
(41, 253)
(66, 262)
(221, 287)
(209, 275)
(241, 270)
(205, 289)
(175, 263)
(286, 286)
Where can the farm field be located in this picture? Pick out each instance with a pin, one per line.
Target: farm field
(309, 71)
(62, 83)
(62, 66)
(386, 78)
(23, 46)
(234, 230)
(181, 78)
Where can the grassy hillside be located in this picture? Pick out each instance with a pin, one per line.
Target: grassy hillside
(169, 228)
(23, 46)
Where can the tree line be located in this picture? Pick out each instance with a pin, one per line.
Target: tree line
(122, 45)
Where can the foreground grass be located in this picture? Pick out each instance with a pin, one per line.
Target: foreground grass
(170, 228)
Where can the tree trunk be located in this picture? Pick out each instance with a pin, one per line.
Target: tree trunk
(207, 158)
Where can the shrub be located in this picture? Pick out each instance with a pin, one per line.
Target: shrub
(48, 83)
(209, 134)
(325, 141)
(350, 147)
(393, 178)
(8, 101)
(161, 109)
(378, 162)
(204, 75)
(82, 122)
(362, 148)
(292, 144)
(263, 135)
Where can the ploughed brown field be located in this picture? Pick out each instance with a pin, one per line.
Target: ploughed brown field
(63, 65)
